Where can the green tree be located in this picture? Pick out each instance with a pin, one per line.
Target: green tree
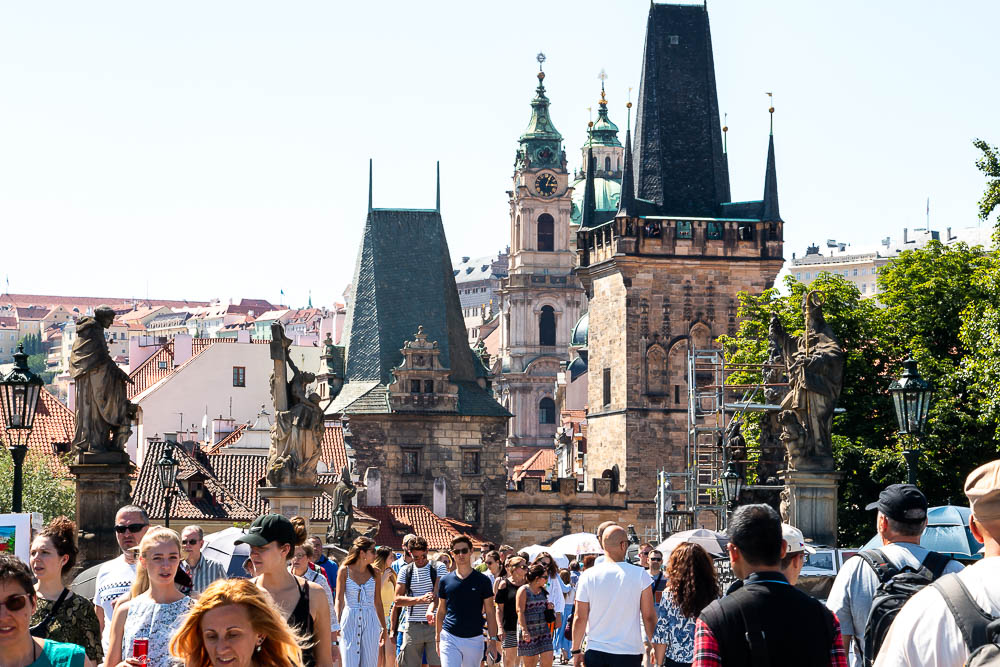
(43, 491)
(36, 362)
(989, 164)
(32, 344)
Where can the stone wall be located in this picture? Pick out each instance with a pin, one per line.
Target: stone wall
(380, 440)
(638, 302)
(535, 516)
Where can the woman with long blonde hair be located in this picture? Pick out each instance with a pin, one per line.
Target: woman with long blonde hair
(156, 608)
(384, 557)
(234, 624)
(359, 604)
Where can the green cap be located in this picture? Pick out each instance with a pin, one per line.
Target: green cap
(269, 528)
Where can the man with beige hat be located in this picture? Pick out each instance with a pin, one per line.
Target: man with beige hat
(926, 631)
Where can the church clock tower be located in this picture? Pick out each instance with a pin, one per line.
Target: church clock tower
(541, 299)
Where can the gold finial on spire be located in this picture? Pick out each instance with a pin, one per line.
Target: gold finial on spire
(770, 109)
(602, 76)
(628, 105)
(541, 59)
(725, 129)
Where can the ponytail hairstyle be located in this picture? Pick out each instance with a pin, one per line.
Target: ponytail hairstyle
(62, 532)
(154, 536)
(354, 554)
(301, 535)
(495, 555)
(537, 571)
(382, 563)
(281, 645)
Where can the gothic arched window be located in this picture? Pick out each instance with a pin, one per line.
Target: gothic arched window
(546, 232)
(547, 326)
(546, 411)
(657, 376)
(607, 164)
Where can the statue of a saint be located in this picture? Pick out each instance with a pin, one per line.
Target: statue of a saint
(815, 363)
(343, 494)
(297, 432)
(103, 412)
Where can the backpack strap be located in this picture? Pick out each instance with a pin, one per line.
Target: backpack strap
(756, 640)
(971, 620)
(876, 558)
(936, 563)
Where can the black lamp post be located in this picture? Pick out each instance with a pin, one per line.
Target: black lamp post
(166, 469)
(340, 523)
(732, 486)
(19, 392)
(911, 397)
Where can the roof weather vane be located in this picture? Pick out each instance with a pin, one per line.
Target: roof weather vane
(541, 59)
(770, 109)
(602, 76)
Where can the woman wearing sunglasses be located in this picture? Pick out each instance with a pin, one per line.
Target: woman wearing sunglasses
(506, 605)
(61, 615)
(17, 603)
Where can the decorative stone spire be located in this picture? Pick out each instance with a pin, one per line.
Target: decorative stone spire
(589, 196)
(627, 199)
(541, 142)
(770, 212)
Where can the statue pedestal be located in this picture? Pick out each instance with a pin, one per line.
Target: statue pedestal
(291, 500)
(103, 485)
(812, 503)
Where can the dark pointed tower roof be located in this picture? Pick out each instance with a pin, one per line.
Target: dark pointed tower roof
(679, 162)
(770, 210)
(626, 205)
(589, 196)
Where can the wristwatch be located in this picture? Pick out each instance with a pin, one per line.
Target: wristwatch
(494, 639)
(576, 651)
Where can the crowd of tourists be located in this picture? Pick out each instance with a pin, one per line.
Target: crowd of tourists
(163, 602)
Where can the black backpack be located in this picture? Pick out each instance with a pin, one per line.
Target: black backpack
(896, 586)
(409, 577)
(980, 630)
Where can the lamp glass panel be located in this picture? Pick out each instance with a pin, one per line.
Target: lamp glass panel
(19, 397)
(31, 404)
(900, 405)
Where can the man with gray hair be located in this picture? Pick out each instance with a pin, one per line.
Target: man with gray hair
(901, 519)
(200, 568)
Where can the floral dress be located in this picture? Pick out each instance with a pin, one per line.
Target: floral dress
(674, 629)
(158, 622)
(534, 618)
(75, 622)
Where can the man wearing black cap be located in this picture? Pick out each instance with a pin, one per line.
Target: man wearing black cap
(901, 519)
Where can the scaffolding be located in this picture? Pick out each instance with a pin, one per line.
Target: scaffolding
(693, 497)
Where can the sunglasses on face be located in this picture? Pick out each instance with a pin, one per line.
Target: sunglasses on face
(131, 527)
(656, 560)
(545, 563)
(460, 552)
(187, 542)
(15, 602)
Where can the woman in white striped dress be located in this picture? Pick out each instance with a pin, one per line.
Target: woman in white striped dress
(358, 605)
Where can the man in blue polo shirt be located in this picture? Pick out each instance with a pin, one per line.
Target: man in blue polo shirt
(327, 566)
(464, 595)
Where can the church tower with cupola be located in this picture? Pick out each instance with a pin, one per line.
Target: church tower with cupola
(541, 299)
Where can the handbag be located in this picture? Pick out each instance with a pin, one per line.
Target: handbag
(568, 631)
(41, 630)
(550, 615)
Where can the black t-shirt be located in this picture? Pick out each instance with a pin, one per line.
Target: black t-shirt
(464, 617)
(507, 596)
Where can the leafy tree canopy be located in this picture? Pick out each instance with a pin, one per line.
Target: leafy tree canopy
(43, 492)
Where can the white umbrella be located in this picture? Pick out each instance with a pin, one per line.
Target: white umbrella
(576, 544)
(714, 543)
(221, 546)
(536, 549)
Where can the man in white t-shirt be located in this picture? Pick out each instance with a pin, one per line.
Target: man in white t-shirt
(614, 601)
(925, 632)
(115, 577)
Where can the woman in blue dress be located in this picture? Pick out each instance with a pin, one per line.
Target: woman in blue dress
(359, 603)
(691, 585)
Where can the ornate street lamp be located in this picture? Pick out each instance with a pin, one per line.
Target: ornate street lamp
(166, 469)
(340, 523)
(911, 397)
(732, 485)
(19, 392)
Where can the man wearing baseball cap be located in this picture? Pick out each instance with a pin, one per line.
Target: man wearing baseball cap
(795, 554)
(900, 521)
(925, 632)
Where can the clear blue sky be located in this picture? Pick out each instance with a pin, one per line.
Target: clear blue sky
(202, 149)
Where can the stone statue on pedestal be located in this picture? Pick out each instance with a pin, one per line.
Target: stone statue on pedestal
(343, 494)
(103, 412)
(297, 432)
(815, 365)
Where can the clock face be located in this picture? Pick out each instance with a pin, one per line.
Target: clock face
(546, 185)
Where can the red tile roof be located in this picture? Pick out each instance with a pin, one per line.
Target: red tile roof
(537, 465)
(84, 302)
(395, 521)
(6, 322)
(333, 453)
(159, 365)
(32, 312)
(228, 439)
(54, 423)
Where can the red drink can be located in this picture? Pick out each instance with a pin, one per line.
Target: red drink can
(140, 649)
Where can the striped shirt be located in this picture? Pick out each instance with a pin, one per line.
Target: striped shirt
(420, 584)
(204, 573)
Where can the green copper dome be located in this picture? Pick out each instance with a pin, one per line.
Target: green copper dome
(540, 126)
(604, 132)
(607, 193)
